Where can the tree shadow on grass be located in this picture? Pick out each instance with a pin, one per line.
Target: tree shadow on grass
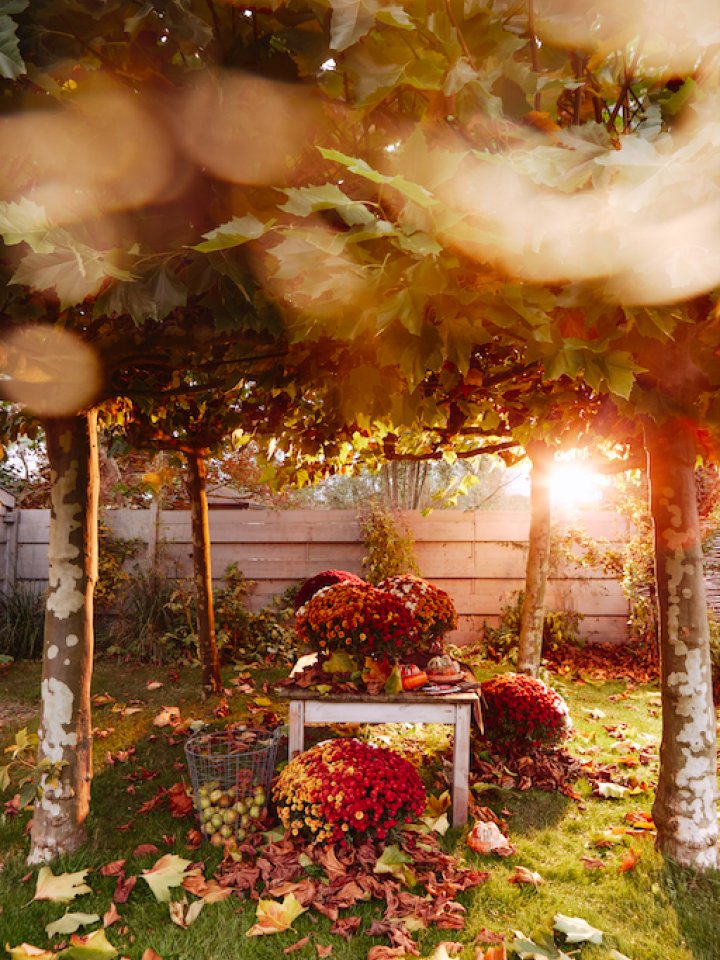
(530, 810)
(696, 900)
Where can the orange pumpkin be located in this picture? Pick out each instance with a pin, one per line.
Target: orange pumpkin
(412, 676)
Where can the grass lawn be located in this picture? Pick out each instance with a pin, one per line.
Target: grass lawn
(651, 911)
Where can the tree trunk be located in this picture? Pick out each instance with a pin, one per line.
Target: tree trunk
(207, 647)
(64, 735)
(685, 808)
(533, 612)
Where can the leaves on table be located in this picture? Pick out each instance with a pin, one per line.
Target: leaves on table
(168, 872)
(62, 888)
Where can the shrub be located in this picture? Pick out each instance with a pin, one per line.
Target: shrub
(22, 622)
(389, 543)
(347, 791)
(156, 621)
(520, 711)
(325, 579)
(431, 608)
(501, 643)
(356, 619)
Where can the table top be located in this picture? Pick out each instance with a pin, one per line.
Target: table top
(362, 696)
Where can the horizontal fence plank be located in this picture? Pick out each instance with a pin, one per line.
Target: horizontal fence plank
(478, 557)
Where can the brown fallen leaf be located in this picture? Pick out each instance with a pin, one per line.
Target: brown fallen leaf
(346, 927)
(144, 849)
(323, 951)
(592, 863)
(488, 936)
(523, 875)
(111, 916)
(112, 869)
(150, 955)
(629, 860)
(124, 886)
(385, 953)
(298, 945)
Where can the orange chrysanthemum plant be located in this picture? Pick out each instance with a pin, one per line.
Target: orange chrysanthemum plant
(358, 620)
(348, 792)
(431, 608)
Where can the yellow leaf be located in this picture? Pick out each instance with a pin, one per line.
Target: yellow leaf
(95, 946)
(169, 871)
(182, 914)
(60, 889)
(69, 923)
(28, 950)
(168, 716)
(263, 701)
(393, 684)
(274, 917)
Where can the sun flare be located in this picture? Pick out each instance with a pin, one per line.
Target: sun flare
(573, 486)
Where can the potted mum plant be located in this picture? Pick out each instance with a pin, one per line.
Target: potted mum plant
(348, 792)
(358, 620)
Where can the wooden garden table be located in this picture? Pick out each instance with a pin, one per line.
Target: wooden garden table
(307, 706)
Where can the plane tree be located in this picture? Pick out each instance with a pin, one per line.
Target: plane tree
(536, 173)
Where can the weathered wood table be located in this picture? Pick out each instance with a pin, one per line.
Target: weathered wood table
(307, 706)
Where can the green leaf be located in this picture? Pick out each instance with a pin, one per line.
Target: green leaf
(620, 370)
(167, 292)
(303, 201)
(25, 221)
(577, 930)
(339, 662)
(234, 233)
(351, 20)
(94, 946)
(12, 64)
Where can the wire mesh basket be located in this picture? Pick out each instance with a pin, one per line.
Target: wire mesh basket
(231, 772)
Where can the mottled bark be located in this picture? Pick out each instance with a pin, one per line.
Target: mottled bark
(536, 573)
(685, 808)
(207, 647)
(65, 743)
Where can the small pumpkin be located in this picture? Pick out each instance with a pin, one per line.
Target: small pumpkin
(443, 665)
(412, 676)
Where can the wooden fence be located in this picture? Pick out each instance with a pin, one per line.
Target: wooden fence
(478, 557)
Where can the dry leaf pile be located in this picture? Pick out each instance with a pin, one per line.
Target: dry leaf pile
(417, 881)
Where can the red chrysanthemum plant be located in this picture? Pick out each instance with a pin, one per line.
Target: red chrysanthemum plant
(348, 792)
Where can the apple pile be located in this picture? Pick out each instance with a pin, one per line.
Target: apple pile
(225, 814)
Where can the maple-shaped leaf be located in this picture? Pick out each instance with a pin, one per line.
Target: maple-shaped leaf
(274, 917)
(375, 672)
(169, 871)
(339, 662)
(434, 806)
(577, 930)
(523, 875)
(26, 950)
(62, 888)
(439, 824)
(95, 946)
(70, 922)
(395, 862)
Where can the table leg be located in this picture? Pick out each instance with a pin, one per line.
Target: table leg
(461, 765)
(296, 728)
